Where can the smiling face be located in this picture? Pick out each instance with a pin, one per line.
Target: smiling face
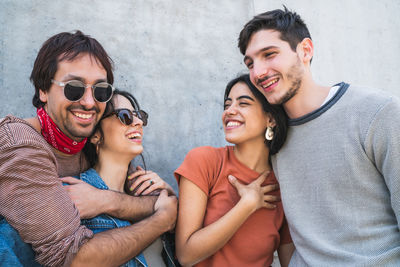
(120, 139)
(243, 117)
(75, 119)
(275, 69)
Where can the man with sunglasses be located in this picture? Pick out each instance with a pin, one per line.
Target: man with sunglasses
(72, 76)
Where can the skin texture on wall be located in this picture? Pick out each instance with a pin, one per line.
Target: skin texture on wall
(177, 56)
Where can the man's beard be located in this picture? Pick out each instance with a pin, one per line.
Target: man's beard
(294, 76)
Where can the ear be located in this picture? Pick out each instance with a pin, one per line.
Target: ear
(43, 96)
(270, 121)
(96, 138)
(306, 50)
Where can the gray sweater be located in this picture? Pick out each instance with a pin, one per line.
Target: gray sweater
(339, 174)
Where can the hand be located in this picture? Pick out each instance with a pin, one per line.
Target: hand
(85, 197)
(166, 207)
(142, 183)
(255, 194)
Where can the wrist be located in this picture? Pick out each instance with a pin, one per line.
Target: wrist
(107, 205)
(248, 204)
(163, 218)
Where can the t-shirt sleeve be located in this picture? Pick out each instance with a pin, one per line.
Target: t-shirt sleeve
(285, 233)
(33, 201)
(201, 167)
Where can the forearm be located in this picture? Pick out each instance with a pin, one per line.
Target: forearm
(127, 207)
(285, 253)
(117, 246)
(193, 250)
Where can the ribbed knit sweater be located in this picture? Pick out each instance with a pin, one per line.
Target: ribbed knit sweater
(339, 175)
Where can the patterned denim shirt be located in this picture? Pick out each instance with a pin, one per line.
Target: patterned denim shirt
(105, 222)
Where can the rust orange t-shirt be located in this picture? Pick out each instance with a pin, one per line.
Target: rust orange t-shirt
(261, 234)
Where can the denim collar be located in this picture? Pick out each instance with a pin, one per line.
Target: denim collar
(93, 178)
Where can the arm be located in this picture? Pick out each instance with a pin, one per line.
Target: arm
(285, 253)
(91, 201)
(382, 145)
(34, 203)
(117, 246)
(191, 236)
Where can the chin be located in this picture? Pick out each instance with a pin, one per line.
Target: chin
(231, 140)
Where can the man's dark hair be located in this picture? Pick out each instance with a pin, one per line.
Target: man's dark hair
(65, 46)
(292, 28)
(277, 112)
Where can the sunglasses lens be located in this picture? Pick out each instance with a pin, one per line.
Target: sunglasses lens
(103, 92)
(125, 117)
(143, 116)
(74, 90)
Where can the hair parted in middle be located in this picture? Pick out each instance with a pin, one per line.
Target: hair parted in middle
(277, 112)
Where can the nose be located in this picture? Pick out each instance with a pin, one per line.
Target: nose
(259, 69)
(87, 99)
(137, 121)
(232, 109)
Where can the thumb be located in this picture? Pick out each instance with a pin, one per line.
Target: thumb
(232, 179)
(139, 168)
(70, 180)
(164, 193)
(262, 177)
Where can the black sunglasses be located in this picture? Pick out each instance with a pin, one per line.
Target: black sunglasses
(126, 116)
(74, 90)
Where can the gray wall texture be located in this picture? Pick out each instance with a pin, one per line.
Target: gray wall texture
(177, 56)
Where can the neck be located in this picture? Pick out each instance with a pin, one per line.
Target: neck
(309, 97)
(112, 169)
(254, 154)
(34, 122)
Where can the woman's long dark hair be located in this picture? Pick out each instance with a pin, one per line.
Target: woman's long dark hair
(276, 111)
(90, 149)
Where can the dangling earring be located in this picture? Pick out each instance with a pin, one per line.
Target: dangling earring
(269, 133)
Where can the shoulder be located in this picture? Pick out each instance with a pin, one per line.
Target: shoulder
(17, 132)
(93, 178)
(206, 156)
(365, 98)
(365, 104)
(201, 164)
(206, 151)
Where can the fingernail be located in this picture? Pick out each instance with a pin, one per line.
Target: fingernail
(231, 178)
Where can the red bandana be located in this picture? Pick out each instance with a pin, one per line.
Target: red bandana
(55, 137)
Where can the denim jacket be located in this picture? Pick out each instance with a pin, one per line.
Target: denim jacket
(13, 251)
(105, 222)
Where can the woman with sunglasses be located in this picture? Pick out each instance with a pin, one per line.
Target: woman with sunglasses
(224, 217)
(116, 141)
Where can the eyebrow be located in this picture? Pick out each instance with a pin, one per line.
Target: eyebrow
(246, 57)
(240, 97)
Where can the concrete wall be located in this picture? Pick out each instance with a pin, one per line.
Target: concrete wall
(177, 55)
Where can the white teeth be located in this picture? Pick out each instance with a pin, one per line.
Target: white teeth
(83, 116)
(270, 83)
(232, 124)
(134, 135)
